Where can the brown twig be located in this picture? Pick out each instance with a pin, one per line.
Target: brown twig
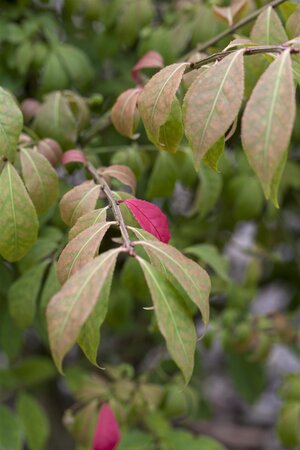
(253, 50)
(99, 179)
(204, 46)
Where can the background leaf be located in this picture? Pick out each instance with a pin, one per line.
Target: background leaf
(34, 421)
(11, 123)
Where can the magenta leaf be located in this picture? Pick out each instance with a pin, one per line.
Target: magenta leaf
(151, 60)
(71, 156)
(107, 434)
(150, 218)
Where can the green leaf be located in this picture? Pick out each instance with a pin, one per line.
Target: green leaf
(76, 64)
(266, 126)
(69, 309)
(81, 250)
(18, 219)
(268, 28)
(11, 124)
(214, 154)
(79, 201)
(43, 248)
(191, 277)
(171, 132)
(22, 295)
(88, 220)
(173, 320)
(40, 179)
(34, 421)
(293, 24)
(277, 179)
(10, 430)
(156, 100)
(208, 192)
(89, 337)
(136, 440)
(50, 287)
(163, 176)
(55, 120)
(210, 255)
(54, 76)
(245, 197)
(212, 103)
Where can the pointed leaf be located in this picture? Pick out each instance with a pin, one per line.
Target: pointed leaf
(122, 173)
(22, 295)
(151, 60)
(34, 421)
(89, 337)
(174, 322)
(277, 179)
(268, 28)
(193, 279)
(266, 125)
(11, 124)
(69, 309)
(155, 102)
(79, 201)
(81, 250)
(212, 103)
(87, 220)
(124, 112)
(107, 434)
(171, 132)
(40, 179)
(18, 219)
(150, 218)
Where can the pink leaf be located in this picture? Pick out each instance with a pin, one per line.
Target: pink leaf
(73, 156)
(150, 218)
(151, 60)
(107, 434)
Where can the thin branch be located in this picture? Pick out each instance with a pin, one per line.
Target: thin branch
(99, 179)
(204, 46)
(253, 50)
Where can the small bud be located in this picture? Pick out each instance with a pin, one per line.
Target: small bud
(51, 150)
(30, 108)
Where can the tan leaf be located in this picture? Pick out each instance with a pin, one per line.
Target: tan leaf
(79, 201)
(40, 179)
(80, 250)
(124, 112)
(268, 28)
(212, 103)
(87, 220)
(155, 102)
(122, 173)
(268, 119)
(69, 309)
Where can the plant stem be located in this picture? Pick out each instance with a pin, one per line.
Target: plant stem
(99, 179)
(253, 50)
(233, 28)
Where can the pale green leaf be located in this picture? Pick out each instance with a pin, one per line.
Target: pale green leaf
(11, 123)
(69, 309)
(23, 293)
(34, 421)
(212, 103)
(266, 125)
(210, 255)
(173, 320)
(268, 28)
(18, 219)
(40, 179)
(81, 250)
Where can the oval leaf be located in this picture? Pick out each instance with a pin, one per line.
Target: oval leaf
(81, 250)
(40, 179)
(266, 126)
(18, 219)
(151, 60)
(88, 220)
(79, 201)
(268, 28)
(11, 124)
(212, 103)
(150, 218)
(69, 309)
(173, 320)
(124, 112)
(107, 434)
(155, 102)
(193, 279)
(122, 173)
